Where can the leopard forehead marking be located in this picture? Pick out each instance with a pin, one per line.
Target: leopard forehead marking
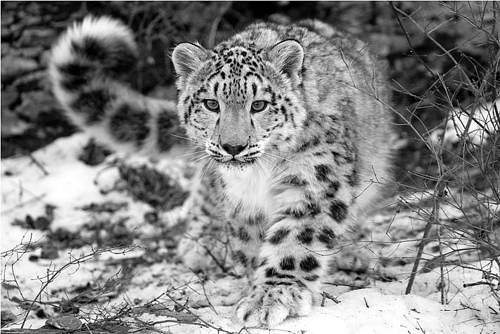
(237, 71)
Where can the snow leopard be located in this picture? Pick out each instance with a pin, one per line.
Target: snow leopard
(292, 127)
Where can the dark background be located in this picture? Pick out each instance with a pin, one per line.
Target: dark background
(412, 41)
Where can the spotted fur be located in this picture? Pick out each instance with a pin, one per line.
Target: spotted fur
(87, 65)
(295, 123)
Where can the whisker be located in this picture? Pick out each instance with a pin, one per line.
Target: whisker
(194, 156)
(260, 164)
(266, 159)
(192, 153)
(206, 168)
(279, 157)
(191, 140)
(206, 156)
(182, 137)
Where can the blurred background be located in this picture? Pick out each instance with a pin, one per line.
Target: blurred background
(430, 49)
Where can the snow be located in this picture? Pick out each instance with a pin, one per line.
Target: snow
(480, 123)
(367, 311)
(70, 184)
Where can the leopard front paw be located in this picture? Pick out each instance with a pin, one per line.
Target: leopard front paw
(270, 303)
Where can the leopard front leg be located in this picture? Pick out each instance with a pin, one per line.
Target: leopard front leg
(219, 234)
(293, 259)
(295, 255)
(205, 243)
(248, 233)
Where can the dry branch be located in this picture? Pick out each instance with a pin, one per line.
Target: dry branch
(52, 331)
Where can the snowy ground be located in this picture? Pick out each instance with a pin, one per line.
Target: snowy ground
(145, 284)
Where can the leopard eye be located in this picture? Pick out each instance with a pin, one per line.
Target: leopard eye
(258, 106)
(211, 105)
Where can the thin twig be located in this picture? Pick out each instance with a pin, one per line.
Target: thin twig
(39, 165)
(215, 24)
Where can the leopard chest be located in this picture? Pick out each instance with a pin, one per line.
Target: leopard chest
(250, 189)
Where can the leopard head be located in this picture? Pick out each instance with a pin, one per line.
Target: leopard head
(240, 102)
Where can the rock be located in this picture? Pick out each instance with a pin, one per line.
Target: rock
(153, 187)
(41, 223)
(49, 252)
(33, 258)
(32, 81)
(93, 154)
(5, 48)
(6, 35)
(33, 8)
(66, 322)
(9, 6)
(7, 18)
(28, 52)
(8, 286)
(34, 103)
(15, 66)
(7, 317)
(37, 36)
(32, 20)
(9, 96)
(44, 58)
(11, 124)
(16, 29)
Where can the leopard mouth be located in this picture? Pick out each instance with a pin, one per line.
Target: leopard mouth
(235, 163)
(238, 163)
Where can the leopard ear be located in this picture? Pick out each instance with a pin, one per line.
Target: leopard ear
(288, 57)
(187, 57)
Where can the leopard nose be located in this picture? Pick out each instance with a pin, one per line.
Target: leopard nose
(233, 149)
